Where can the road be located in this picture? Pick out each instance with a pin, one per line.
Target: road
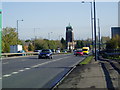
(31, 72)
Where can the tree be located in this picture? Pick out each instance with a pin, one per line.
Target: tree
(78, 44)
(113, 43)
(82, 44)
(105, 39)
(9, 37)
(30, 47)
(63, 43)
(40, 44)
(28, 40)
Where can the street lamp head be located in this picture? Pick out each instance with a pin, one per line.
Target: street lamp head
(83, 1)
(86, 2)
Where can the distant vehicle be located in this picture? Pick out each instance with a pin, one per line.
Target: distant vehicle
(53, 50)
(85, 50)
(37, 50)
(15, 48)
(45, 53)
(57, 51)
(21, 51)
(78, 52)
(65, 51)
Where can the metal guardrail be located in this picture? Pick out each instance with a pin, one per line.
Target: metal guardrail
(18, 54)
(23, 54)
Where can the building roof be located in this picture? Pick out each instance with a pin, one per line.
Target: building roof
(69, 26)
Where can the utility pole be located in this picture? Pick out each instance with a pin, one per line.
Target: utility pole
(95, 28)
(49, 35)
(91, 23)
(17, 30)
(99, 34)
(35, 36)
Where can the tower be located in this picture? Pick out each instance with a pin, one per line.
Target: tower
(69, 37)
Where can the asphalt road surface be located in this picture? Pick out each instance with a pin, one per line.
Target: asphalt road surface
(31, 72)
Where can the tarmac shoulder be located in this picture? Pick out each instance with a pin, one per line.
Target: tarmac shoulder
(85, 76)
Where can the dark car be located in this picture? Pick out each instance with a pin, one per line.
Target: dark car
(45, 53)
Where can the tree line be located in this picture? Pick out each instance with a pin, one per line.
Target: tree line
(9, 37)
(113, 43)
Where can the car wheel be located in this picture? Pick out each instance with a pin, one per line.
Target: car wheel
(51, 57)
(39, 57)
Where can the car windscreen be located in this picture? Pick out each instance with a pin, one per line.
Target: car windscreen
(85, 49)
(45, 51)
(78, 51)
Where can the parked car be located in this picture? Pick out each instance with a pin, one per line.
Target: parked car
(45, 53)
(78, 52)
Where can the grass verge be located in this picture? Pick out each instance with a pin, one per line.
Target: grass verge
(86, 60)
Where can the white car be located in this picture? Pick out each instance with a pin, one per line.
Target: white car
(57, 51)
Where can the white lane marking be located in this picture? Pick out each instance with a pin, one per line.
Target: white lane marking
(21, 70)
(7, 75)
(5, 63)
(0, 78)
(27, 68)
(14, 72)
(47, 62)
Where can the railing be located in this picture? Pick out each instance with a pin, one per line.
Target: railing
(25, 54)
(111, 54)
(18, 54)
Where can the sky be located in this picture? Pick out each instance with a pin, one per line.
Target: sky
(42, 19)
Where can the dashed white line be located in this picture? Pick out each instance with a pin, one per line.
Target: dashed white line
(21, 70)
(14, 72)
(47, 62)
(27, 68)
(5, 63)
(7, 75)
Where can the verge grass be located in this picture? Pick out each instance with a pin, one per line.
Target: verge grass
(86, 60)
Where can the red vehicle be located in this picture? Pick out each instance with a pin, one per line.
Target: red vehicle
(78, 52)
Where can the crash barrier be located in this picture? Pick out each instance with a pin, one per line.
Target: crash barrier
(18, 54)
(24, 54)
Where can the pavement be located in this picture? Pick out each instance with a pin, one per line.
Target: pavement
(103, 74)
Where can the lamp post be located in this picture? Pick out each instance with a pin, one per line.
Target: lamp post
(99, 34)
(34, 32)
(35, 37)
(17, 30)
(95, 28)
(49, 35)
(91, 22)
